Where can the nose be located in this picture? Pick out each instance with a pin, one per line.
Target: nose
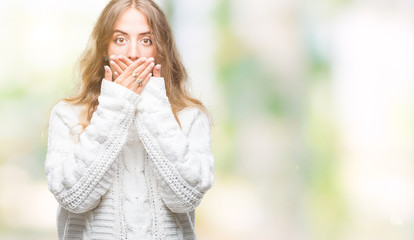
(133, 51)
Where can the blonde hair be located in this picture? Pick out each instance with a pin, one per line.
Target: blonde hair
(92, 61)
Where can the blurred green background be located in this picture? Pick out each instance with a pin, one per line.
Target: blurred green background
(312, 104)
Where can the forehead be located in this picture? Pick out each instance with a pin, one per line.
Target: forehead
(132, 21)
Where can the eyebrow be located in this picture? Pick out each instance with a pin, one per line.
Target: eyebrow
(139, 34)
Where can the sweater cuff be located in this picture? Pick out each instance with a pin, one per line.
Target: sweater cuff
(153, 96)
(155, 85)
(118, 91)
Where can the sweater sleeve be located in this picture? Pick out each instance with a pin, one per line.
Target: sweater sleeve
(80, 170)
(182, 155)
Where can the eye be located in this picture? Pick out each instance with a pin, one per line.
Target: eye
(146, 41)
(120, 40)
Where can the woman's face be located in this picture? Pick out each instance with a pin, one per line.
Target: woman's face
(132, 36)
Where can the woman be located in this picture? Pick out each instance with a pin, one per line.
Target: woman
(129, 157)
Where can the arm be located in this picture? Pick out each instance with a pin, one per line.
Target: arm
(80, 172)
(182, 157)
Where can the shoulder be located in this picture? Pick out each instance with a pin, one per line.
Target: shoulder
(66, 112)
(190, 116)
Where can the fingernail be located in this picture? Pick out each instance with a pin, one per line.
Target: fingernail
(152, 64)
(150, 59)
(158, 66)
(112, 57)
(112, 62)
(116, 73)
(150, 74)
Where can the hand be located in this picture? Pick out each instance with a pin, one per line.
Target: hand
(120, 63)
(135, 76)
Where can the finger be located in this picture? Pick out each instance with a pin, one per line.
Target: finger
(115, 67)
(146, 71)
(115, 59)
(125, 78)
(133, 66)
(157, 70)
(120, 63)
(116, 77)
(138, 71)
(126, 61)
(108, 73)
(144, 83)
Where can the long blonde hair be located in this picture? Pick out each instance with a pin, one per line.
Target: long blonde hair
(92, 61)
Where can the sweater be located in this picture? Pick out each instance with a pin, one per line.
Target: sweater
(134, 172)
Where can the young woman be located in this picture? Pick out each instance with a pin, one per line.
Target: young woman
(129, 157)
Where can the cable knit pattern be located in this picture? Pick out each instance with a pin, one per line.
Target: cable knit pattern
(155, 201)
(134, 173)
(187, 195)
(80, 174)
(184, 163)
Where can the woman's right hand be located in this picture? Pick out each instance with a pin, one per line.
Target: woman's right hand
(135, 76)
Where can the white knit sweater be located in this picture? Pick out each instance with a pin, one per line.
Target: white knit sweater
(134, 173)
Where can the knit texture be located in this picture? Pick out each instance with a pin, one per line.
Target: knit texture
(134, 173)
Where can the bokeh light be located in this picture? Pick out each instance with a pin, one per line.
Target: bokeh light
(312, 103)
